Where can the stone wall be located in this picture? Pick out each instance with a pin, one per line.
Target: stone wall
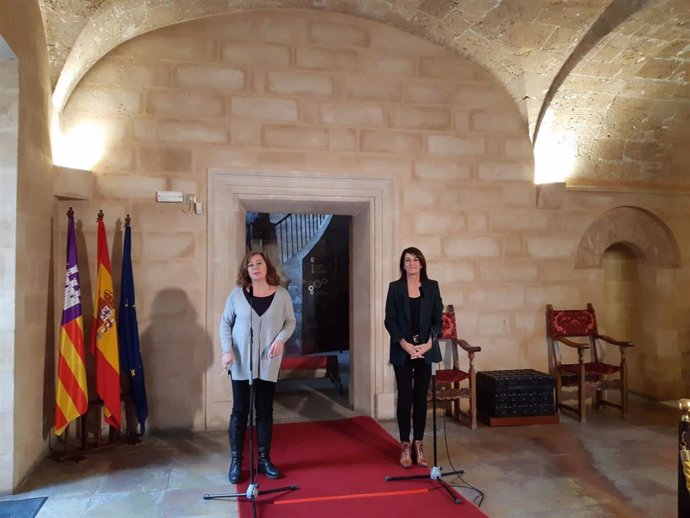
(305, 94)
(27, 322)
(9, 107)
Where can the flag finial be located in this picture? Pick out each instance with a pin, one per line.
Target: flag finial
(128, 220)
(100, 215)
(70, 213)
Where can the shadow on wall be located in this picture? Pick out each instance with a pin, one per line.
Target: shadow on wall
(175, 349)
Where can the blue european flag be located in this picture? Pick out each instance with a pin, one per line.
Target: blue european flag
(128, 329)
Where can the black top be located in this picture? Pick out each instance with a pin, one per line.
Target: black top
(415, 305)
(259, 304)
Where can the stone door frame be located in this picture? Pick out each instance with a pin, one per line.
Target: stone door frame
(371, 203)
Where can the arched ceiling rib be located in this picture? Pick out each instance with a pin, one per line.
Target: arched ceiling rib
(614, 14)
(628, 102)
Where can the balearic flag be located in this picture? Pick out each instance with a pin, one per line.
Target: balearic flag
(104, 334)
(128, 331)
(71, 399)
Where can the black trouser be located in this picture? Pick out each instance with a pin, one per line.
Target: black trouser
(263, 408)
(413, 384)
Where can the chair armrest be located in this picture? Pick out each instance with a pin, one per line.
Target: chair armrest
(570, 343)
(467, 347)
(616, 342)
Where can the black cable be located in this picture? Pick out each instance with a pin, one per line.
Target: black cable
(477, 500)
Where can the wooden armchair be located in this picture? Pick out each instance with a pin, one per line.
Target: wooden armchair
(455, 384)
(565, 327)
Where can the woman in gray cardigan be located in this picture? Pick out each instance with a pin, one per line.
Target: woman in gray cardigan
(261, 305)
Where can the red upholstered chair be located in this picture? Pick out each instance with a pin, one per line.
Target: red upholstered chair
(569, 327)
(455, 383)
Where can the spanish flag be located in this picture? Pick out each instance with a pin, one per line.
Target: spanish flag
(71, 399)
(104, 334)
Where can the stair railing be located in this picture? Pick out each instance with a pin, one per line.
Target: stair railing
(294, 231)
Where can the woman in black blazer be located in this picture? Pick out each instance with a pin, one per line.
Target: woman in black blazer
(413, 313)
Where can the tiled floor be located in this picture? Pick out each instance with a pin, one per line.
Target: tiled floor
(607, 467)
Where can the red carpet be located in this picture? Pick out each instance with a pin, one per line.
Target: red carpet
(303, 362)
(339, 468)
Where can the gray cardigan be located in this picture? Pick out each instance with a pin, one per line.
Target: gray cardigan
(278, 322)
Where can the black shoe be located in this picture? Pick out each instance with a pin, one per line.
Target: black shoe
(267, 467)
(235, 472)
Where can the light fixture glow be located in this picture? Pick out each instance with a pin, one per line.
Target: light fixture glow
(80, 147)
(554, 153)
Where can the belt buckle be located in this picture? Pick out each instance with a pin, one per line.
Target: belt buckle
(415, 339)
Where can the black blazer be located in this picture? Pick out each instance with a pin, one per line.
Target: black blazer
(398, 319)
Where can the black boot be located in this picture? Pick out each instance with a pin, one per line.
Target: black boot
(236, 432)
(235, 472)
(265, 464)
(264, 427)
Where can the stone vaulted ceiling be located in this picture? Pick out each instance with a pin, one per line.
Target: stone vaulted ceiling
(611, 78)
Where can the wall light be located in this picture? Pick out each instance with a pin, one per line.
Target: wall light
(169, 197)
(189, 201)
(80, 147)
(554, 152)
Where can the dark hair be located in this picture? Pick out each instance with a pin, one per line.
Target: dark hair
(243, 278)
(419, 255)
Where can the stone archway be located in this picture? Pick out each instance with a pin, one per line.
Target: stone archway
(637, 252)
(634, 227)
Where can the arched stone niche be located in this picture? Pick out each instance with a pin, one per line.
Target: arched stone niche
(639, 229)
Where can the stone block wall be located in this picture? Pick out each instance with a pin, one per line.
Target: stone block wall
(312, 94)
(26, 285)
(9, 107)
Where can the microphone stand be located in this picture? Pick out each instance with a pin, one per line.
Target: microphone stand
(435, 473)
(253, 488)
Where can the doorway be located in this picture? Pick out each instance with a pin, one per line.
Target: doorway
(370, 203)
(311, 254)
